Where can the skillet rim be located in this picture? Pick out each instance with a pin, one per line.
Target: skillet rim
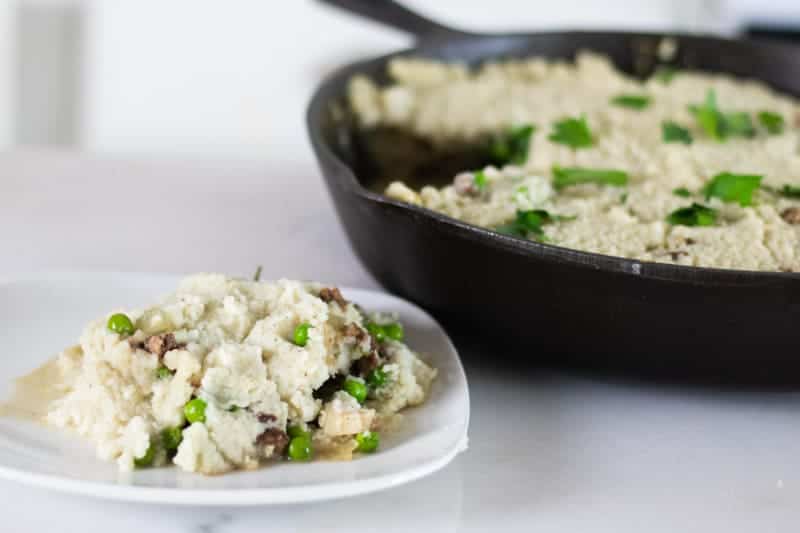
(334, 84)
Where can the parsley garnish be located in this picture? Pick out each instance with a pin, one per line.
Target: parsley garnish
(480, 180)
(674, 133)
(738, 124)
(511, 146)
(694, 215)
(718, 125)
(772, 122)
(733, 187)
(789, 191)
(631, 101)
(665, 74)
(683, 192)
(573, 132)
(528, 224)
(708, 116)
(564, 177)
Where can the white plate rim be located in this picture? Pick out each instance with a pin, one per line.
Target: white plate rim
(235, 497)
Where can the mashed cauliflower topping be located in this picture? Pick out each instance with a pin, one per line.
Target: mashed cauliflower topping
(216, 377)
(628, 120)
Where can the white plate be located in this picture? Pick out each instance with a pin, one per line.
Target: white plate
(40, 315)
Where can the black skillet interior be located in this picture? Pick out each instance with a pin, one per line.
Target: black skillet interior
(541, 303)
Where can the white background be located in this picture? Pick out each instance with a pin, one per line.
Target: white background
(8, 79)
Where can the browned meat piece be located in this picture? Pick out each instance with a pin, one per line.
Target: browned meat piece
(161, 344)
(332, 294)
(329, 388)
(136, 345)
(355, 332)
(367, 364)
(273, 437)
(266, 418)
(791, 215)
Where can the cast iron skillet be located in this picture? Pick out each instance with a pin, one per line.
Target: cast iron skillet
(554, 304)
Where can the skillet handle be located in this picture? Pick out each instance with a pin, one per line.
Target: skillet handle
(392, 14)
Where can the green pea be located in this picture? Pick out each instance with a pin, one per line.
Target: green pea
(121, 324)
(368, 441)
(163, 372)
(356, 389)
(147, 459)
(300, 448)
(377, 377)
(171, 438)
(297, 431)
(376, 330)
(300, 336)
(394, 331)
(233, 408)
(195, 410)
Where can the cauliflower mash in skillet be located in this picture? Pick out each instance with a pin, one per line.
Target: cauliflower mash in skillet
(686, 167)
(226, 374)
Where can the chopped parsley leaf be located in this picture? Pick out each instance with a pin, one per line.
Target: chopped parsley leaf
(683, 192)
(512, 146)
(694, 215)
(789, 191)
(733, 187)
(573, 132)
(738, 124)
(665, 74)
(631, 101)
(772, 122)
(718, 125)
(528, 224)
(566, 176)
(672, 132)
(709, 117)
(480, 180)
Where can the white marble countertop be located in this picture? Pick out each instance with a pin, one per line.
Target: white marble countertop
(548, 451)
